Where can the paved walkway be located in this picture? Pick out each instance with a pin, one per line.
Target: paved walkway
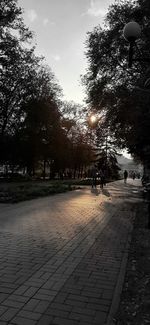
(62, 258)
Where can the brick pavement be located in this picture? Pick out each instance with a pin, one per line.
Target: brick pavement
(61, 256)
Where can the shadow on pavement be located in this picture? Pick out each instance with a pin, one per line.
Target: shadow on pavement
(95, 191)
(105, 192)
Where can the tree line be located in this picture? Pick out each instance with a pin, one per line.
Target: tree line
(41, 131)
(38, 130)
(120, 93)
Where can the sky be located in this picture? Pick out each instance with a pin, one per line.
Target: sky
(60, 30)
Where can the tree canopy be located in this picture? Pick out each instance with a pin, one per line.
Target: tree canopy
(114, 88)
(37, 128)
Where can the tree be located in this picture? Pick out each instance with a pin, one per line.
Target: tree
(40, 134)
(105, 147)
(25, 85)
(74, 121)
(14, 59)
(114, 88)
(35, 127)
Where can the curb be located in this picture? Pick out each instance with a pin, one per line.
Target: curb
(119, 285)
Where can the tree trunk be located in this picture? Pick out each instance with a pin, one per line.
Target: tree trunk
(74, 174)
(44, 169)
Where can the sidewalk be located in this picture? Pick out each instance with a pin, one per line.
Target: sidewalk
(134, 306)
(63, 258)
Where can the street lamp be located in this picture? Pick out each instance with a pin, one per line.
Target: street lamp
(131, 33)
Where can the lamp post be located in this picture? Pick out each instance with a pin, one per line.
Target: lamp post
(131, 33)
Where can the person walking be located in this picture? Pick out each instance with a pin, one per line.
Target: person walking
(94, 176)
(125, 174)
(133, 176)
(102, 179)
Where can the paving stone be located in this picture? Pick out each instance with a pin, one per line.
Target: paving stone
(2, 310)
(57, 312)
(59, 306)
(11, 303)
(41, 307)
(3, 297)
(44, 297)
(63, 257)
(61, 297)
(45, 320)
(75, 303)
(78, 298)
(21, 290)
(46, 292)
(86, 318)
(18, 298)
(31, 304)
(9, 314)
(107, 294)
(64, 321)
(6, 290)
(29, 314)
(23, 321)
(84, 311)
(30, 292)
(9, 285)
(100, 317)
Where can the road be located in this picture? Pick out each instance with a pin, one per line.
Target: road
(63, 257)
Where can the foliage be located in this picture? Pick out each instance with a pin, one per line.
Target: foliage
(114, 88)
(16, 192)
(29, 94)
(37, 130)
(106, 150)
(74, 123)
(15, 62)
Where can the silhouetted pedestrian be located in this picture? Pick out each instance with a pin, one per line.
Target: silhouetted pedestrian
(133, 176)
(125, 176)
(102, 178)
(94, 175)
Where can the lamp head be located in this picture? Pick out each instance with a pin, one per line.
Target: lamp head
(131, 31)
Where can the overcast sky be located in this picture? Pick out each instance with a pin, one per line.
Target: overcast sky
(60, 28)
